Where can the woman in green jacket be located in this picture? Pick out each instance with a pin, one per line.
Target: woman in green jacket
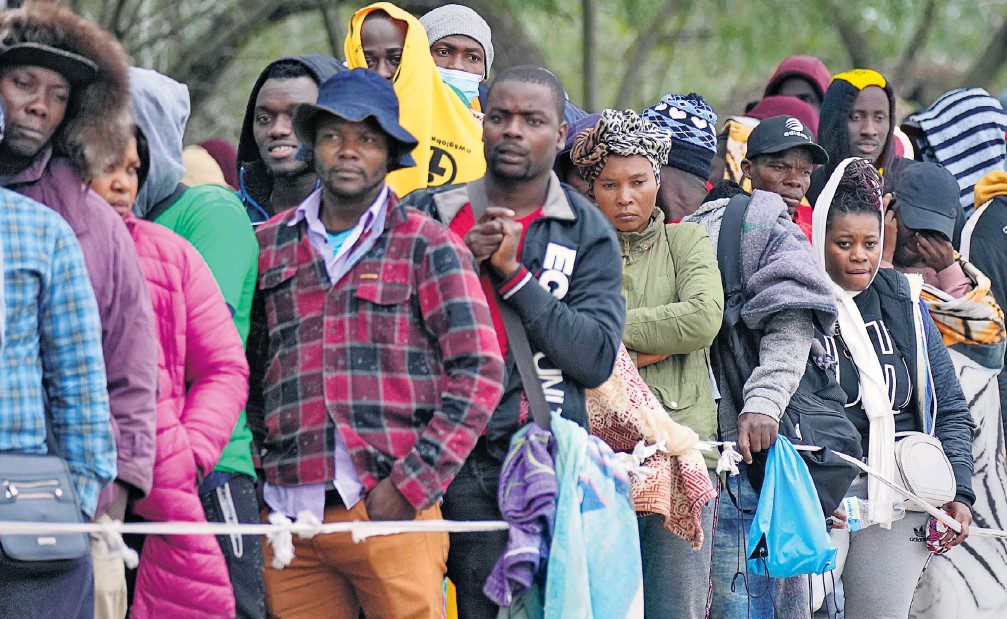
(674, 302)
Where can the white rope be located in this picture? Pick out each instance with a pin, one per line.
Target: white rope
(279, 531)
(633, 462)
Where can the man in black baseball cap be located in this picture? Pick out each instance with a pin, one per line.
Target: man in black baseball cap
(781, 156)
(921, 224)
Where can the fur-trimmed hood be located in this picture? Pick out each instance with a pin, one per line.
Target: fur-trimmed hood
(98, 122)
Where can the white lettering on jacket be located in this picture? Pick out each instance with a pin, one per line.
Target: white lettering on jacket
(552, 381)
(557, 269)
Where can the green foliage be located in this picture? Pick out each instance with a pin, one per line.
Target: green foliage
(723, 49)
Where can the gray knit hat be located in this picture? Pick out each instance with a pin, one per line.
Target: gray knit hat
(457, 19)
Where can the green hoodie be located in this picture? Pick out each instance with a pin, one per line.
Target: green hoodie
(675, 305)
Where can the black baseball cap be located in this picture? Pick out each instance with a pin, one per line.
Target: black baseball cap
(927, 196)
(780, 133)
(77, 69)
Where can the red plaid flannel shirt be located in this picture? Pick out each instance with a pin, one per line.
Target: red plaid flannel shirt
(400, 355)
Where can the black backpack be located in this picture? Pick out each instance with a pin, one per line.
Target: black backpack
(815, 414)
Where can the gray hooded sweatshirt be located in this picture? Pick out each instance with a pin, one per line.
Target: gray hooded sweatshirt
(160, 110)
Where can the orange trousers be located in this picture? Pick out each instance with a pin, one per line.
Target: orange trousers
(389, 576)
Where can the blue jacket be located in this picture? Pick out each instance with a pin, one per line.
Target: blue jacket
(51, 362)
(954, 425)
(572, 305)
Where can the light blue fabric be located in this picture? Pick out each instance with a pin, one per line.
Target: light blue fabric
(52, 363)
(160, 110)
(594, 567)
(336, 240)
(737, 592)
(789, 536)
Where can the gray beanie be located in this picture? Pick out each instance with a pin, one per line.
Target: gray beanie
(457, 19)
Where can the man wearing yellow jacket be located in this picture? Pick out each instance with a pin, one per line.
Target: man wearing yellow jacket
(386, 39)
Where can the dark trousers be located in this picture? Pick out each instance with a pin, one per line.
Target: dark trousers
(236, 502)
(473, 496)
(676, 578)
(65, 594)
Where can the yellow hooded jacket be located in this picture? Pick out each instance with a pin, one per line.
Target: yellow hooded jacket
(450, 149)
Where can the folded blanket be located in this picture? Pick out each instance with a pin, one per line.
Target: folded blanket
(673, 480)
(527, 498)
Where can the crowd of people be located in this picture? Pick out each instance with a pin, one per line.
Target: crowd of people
(421, 289)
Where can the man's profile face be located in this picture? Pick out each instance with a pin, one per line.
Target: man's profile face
(36, 99)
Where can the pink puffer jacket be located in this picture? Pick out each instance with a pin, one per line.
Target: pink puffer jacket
(204, 383)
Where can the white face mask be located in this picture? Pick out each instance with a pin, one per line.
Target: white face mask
(464, 83)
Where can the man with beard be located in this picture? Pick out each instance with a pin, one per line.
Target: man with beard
(374, 368)
(271, 177)
(553, 259)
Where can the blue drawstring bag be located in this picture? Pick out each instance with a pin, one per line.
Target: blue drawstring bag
(788, 535)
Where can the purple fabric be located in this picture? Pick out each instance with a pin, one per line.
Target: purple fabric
(527, 495)
(226, 157)
(360, 241)
(127, 327)
(779, 105)
(581, 124)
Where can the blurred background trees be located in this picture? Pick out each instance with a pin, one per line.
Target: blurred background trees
(636, 50)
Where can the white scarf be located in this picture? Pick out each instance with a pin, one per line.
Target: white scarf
(873, 388)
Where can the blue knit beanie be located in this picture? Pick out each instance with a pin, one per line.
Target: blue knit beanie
(693, 127)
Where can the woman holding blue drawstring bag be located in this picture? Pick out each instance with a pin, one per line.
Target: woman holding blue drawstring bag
(891, 361)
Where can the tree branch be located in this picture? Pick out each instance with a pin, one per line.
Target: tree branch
(990, 60)
(228, 31)
(907, 60)
(332, 32)
(589, 54)
(853, 40)
(638, 53)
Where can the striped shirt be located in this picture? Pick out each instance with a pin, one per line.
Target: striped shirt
(965, 134)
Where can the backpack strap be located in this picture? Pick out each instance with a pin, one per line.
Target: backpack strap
(517, 337)
(729, 256)
(517, 341)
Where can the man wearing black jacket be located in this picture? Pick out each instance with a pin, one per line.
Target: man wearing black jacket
(271, 176)
(554, 260)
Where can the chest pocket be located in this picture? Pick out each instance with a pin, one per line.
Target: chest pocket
(277, 285)
(383, 312)
(384, 295)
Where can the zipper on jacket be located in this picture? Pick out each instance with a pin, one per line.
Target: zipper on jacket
(13, 489)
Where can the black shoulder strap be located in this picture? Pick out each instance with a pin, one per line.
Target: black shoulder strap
(159, 208)
(517, 337)
(729, 245)
(517, 341)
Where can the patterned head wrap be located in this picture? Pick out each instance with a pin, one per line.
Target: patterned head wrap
(623, 134)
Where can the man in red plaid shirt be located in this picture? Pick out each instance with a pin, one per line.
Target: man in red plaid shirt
(375, 366)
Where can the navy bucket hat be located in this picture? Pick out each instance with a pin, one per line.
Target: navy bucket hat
(355, 96)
